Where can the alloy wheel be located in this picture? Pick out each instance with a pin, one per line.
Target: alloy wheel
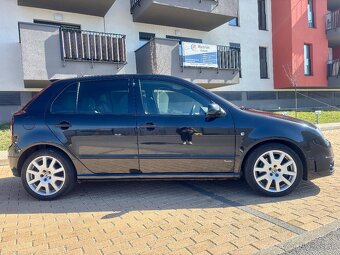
(275, 171)
(45, 175)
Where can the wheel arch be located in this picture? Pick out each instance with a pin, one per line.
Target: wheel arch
(289, 144)
(25, 154)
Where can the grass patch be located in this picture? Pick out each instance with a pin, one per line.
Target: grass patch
(324, 117)
(5, 137)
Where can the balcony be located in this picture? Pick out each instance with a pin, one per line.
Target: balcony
(333, 28)
(89, 7)
(333, 71)
(51, 52)
(333, 4)
(164, 56)
(203, 15)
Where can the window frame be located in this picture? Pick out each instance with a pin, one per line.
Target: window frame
(311, 3)
(260, 11)
(131, 100)
(139, 99)
(266, 62)
(310, 59)
(237, 23)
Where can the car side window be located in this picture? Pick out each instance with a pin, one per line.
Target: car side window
(94, 97)
(104, 97)
(166, 98)
(66, 101)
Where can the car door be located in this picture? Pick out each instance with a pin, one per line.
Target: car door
(95, 120)
(174, 133)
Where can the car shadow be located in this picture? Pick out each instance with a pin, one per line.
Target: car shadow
(116, 198)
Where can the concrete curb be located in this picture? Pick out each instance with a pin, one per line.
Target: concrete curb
(330, 126)
(300, 239)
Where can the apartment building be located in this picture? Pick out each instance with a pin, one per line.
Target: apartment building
(251, 41)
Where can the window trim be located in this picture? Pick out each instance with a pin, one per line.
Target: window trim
(139, 99)
(131, 102)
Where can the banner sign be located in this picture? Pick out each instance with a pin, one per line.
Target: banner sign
(199, 55)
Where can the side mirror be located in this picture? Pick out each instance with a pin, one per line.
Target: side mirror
(215, 111)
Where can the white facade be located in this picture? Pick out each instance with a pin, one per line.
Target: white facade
(119, 20)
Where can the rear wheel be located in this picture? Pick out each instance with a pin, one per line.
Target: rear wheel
(47, 174)
(273, 170)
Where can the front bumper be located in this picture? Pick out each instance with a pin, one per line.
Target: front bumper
(321, 164)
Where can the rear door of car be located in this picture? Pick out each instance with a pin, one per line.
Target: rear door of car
(95, 120)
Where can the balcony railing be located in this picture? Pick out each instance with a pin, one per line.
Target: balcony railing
(228, 58)
(81, 45)
(333, 20)
(134, 4)
(333, 68)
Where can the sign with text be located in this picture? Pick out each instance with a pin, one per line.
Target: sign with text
(199, 55)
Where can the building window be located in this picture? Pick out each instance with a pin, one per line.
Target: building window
(263, 63)
(310, 10)
(307, 59)
(237, 47)
(262, 14)
(234, 22)
(60, 24)
(144, 38)
(184, 39)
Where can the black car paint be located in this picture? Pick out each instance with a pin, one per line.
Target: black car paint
(241, 130)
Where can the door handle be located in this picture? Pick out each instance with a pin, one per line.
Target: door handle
(64, 125)
(149, 126)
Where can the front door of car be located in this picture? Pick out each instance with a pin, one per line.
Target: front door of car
(174, 133)
(96, 121)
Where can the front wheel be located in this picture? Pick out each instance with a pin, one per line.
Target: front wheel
(273, 170)
(47, 174)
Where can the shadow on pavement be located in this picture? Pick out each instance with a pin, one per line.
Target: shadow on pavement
(119, 197)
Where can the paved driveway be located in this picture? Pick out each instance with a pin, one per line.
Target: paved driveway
(174, 217)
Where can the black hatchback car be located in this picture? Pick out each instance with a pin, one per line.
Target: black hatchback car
(157, 127)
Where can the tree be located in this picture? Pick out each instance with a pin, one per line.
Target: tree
(293, 79)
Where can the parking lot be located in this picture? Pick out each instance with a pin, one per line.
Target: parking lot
(164, 217)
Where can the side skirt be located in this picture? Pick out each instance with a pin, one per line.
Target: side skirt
(160, 176)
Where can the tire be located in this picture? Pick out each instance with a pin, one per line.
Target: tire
(48, 174)
(273, 170)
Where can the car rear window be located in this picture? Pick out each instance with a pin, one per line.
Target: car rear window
(94, 97)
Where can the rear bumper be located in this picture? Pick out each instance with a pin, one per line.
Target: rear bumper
(13, 159)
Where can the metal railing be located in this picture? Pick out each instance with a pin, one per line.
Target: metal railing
(134, 4)
(333, 20)
(81, 45)
(228, 58)
(333, 68)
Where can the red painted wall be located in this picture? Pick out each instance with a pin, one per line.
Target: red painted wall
(290, 33)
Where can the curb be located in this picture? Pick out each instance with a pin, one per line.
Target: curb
(327, 127)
